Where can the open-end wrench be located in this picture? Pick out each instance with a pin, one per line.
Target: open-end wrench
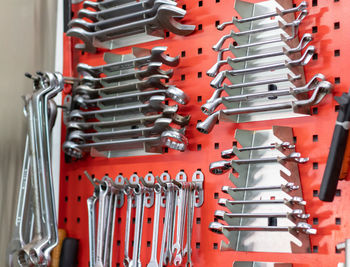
(304, 41)
(156, 55)
(209, 107)
(116, 20)
(170, 229)
(153, 81)
(290, 202)
(171, 92)
(291, 27)
(91, 203)
(158, 127)
(292, 215)
(218, 91)
(164, 19)
(130, 196)
(284, 187)
(111, 3)
(322, 89)
(300, 227)
(153, 261)
(302, 61)
(303, 5)
(137, 120)
(230, 153)
(155, 103)
(190, 217)
(223, 166)
(152, 68)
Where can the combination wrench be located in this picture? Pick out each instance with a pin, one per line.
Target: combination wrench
(290, 202)
(284, 187)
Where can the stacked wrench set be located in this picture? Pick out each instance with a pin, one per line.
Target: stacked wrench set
(35, 232)
(266, 72)
(264, 198)
(112, 23)
(125, 113)
(179, 197)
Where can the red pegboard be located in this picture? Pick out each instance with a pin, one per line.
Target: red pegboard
(327, 20)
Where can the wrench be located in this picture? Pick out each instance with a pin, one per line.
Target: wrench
(107, 22)
(292, 215)
(163, 19)
(284, 187)
(130, 197)
(156, 55)
(171, 92)
(303, 5)
(305, 40)
(322, 89)
(290, 202)
(300, 227)
(190, 216)
(230, 153)
(111, 3)
(302, 61)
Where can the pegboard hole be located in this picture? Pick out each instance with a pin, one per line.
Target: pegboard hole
(234, 143)
(200, 27)
(82, 53)
(315, 138)
(184, 7)
(166, 150)
(119, 220)
(216, 146)
(200, 51)
(216, 219)
(217, 23)
(198, 245)
(294, 139)
(337, 80)
(200, 3)
(338, 193)
(166, 80)
(117, 264)
(199, 74)
(78, 219)
(314, 2)
(315, 56)
(336, 0)
(67, 178)
(133, 220)
(198, 220)
(216, 195)
(315, 221)
(148, 244)
(66, 199)
(315, 193)
(215, 245)
(314, 29)
(336, 25)
(315, 110)
(199, 147)
(272, 221)
(337, 250)
(167, 34)
(183, 77)
(163, 220)
(65, 219)
(337, 53)
(336, 108)
(149, 220)
(338, 221)
(217, 1)
(315, 249)
(79, 177)
(118, 243)
(183, 53)
(132, 243)
(315, 165)
(199, 98)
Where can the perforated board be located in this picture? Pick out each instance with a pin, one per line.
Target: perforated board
(328, 20)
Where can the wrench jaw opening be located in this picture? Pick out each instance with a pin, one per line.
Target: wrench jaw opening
(80, 23)
(177, 95)
(220, 214)
(86, 37)
(208, 124)
(220, 167)
(157, 54)
(216, 227)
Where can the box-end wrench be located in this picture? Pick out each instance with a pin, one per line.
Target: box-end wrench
(230, 153)
(118, 20)
(291, 215)
(157, 54)
(318, 94)
(209, 108)
(284, 187)
(279, 12)
(171, 92)
(164, 19)
(302, 61)
(304, 41)
(289, 202)
(223, 166)
(300, 227)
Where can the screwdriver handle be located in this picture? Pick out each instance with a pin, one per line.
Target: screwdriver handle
(337, 150)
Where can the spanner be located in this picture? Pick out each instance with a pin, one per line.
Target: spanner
(284, 187)
(290, 202)
(292, 215)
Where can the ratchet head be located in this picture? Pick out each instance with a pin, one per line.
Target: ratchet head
(166, 15)
(216, 227)
(158, 55)
(220, 167)
(85, 36)
(208, 124)
(219, 214)
(72, 149)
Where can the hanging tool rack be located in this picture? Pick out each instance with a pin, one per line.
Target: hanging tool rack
(327, 20)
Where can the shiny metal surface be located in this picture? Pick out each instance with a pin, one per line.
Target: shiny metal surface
(28, 34)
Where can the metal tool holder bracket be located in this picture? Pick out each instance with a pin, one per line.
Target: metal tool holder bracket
(328, 21)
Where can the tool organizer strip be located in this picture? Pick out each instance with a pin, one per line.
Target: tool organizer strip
(327, 20)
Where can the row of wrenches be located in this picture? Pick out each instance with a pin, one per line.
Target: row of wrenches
(179, 198)
(113, 19)
(250, 61)
(129, 104)
(35, 232)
